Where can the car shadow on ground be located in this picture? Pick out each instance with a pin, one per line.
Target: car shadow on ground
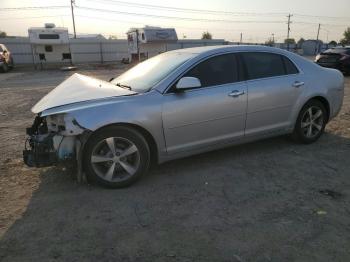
(253, 202)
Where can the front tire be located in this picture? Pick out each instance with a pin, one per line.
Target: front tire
(311, 122)
(116, 157)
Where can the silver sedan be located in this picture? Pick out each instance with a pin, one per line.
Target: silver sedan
(181, 103)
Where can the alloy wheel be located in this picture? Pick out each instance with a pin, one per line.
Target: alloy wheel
(312, 122)
(115, 159)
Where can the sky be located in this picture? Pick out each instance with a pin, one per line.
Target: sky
(257, 20)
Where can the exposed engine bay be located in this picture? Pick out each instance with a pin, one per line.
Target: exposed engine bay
(52, 139)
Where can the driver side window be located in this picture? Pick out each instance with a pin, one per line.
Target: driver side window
(218, 70)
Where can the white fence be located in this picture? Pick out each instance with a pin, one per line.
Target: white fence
(20, 49)
(95, 50)
(92, 50)
(82, 50)
(103, 50)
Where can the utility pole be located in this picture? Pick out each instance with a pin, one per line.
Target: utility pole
(241, 38)
(273, 37)
(72, 2)
(289, 16)
(318, 34)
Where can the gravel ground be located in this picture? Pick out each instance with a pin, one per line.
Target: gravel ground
(254, 202)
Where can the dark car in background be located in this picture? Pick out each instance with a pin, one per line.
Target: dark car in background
(337, 57)
(6, 60)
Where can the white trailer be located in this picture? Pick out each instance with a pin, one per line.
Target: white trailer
(149, 41)
(50, 44)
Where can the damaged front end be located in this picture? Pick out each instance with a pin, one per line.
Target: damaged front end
(52, 139)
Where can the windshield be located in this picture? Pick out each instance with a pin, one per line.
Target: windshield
(145, 75)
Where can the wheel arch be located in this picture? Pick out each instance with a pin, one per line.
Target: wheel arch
(146, 134)
(324, 101)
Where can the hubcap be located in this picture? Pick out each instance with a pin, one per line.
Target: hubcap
(115, 159)
(312, 122)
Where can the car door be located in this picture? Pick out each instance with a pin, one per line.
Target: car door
(274, 84)
(212, 113)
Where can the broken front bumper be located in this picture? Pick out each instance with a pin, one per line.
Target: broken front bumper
(45, 147)
(39, 151)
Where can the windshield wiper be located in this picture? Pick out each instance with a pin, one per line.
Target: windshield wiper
(123, 86)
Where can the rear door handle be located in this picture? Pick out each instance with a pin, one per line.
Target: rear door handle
(236, 93)
(298, 84)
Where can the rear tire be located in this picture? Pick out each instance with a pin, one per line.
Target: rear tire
(116, 157)
(5, 67)
(311, 122)
(11, 63)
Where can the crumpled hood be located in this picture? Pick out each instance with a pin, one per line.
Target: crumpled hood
(79, 88)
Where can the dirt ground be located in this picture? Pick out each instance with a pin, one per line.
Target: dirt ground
(254, 202)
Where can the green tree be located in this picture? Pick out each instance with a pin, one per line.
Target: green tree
(289, 41)
(269, 42)
(333, 43)
(300, 42)
(207, 35)
(346, 39)
(2, 34)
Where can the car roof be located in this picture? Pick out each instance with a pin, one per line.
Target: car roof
(228, 48)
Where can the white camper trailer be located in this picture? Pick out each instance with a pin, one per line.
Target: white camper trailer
(149, 41)
(50, 44)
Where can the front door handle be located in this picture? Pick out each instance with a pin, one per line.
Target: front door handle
(298, 84)
(236, 93)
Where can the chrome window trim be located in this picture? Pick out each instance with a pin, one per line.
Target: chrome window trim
(301, 72)
(167, 90)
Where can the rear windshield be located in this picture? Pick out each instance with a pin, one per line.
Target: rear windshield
(337, 51)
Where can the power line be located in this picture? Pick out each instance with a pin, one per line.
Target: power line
(323, 17)
(32, 8)
(288, 30)
(31, 17)
(318, 34)
(316, 23)
(72, 3)
(182, 27)
(190, 10)
(176, 17)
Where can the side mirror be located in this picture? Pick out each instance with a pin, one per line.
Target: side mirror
(188, 82)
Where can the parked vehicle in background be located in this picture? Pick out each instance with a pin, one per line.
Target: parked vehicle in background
(181, 103)
(6, 60)
(337, 57)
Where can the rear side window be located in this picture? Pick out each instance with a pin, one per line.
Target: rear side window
(218, 70)
(262, 65)
(290, 67)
